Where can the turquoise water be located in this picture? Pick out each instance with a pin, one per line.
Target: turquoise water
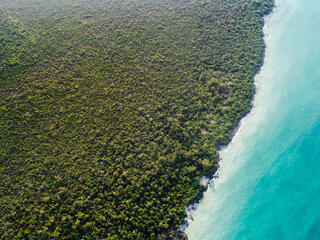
(269, 179)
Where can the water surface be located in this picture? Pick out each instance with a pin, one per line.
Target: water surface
(269, 179)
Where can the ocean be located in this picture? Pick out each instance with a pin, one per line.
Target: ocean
(268, 184)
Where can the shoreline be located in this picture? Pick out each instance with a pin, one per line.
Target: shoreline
(193, 207)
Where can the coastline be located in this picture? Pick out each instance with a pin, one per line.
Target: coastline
(261, 191)
(193, 207)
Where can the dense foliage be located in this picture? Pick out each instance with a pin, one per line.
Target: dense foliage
(111, 111)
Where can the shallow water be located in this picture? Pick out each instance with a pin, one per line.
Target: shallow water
(269, 179)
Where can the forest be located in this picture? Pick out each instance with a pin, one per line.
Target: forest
(112, 111)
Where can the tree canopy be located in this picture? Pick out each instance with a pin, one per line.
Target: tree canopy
(111, 111)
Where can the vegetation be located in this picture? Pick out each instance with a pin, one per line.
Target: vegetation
(111, 111)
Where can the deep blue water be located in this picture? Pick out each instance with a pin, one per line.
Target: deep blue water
(269, 179)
